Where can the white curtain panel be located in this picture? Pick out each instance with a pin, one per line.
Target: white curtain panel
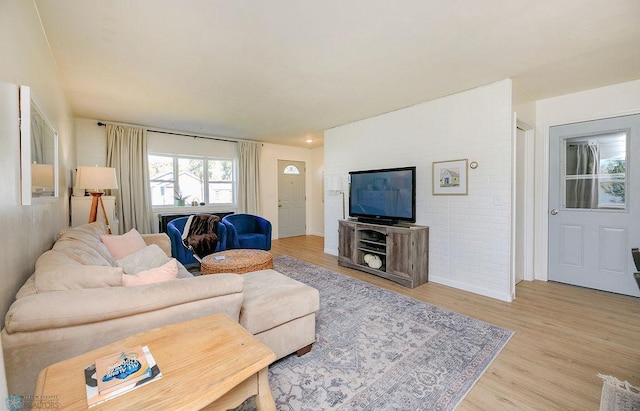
(249, 177)
(127, 153)
(582, 162)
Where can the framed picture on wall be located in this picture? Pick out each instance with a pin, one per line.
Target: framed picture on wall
(450, 178)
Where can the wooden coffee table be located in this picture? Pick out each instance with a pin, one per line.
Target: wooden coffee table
(237, 261)
(209, 362)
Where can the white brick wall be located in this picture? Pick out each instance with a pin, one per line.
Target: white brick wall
(469, 235)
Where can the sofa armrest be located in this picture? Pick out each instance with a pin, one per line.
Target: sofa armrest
(76, 307)
(160, 239)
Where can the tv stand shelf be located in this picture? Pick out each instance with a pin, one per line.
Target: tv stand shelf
(403, 250)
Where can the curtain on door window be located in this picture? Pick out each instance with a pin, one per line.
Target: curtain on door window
(582, 175)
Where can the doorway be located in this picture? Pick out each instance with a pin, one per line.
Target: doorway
(291, 199)
(594, 208)
(523, 211)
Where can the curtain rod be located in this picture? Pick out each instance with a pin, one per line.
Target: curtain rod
(102, 124)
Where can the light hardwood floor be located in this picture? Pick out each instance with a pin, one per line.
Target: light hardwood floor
(564, 336)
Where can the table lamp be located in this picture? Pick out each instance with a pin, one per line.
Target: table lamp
(97, 179)
(41, 179)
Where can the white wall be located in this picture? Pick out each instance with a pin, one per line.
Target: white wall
(611, 101)
(524, 105)
(469, 235)
(316, 217)
(91, 150)
(91, 143)
(30, 230)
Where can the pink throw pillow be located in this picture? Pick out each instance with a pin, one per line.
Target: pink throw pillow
(121, 246)
(165, 272)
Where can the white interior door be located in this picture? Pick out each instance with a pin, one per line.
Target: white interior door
(594, 185)
(291, 199)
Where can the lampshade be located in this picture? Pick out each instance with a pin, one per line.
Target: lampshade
(42, 176)
(96, 178)
(334, 183)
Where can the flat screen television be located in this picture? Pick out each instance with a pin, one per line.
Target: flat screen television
(385, 196)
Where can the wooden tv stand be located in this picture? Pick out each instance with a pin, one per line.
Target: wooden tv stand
(403, 249)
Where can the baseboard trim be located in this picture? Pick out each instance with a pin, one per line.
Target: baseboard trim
(331, 251)
(471, 288)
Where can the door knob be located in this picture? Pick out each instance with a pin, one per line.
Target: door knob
(554, 211)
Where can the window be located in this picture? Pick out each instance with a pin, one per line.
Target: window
(175, 178)
(595, 171)
(291, 169)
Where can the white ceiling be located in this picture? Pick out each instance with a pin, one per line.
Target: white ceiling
(283, 70)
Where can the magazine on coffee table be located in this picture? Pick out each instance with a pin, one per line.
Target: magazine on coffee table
(123, 368)
(95, 397)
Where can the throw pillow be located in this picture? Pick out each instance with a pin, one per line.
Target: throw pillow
(165, 272)
(75, 276)
(121, 246)
(149, 257)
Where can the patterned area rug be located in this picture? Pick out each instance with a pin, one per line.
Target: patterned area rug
(380, 350)
(618, 395)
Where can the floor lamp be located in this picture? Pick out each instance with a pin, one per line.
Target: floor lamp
(97, 179)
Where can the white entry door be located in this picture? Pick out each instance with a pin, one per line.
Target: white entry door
(291, 199)
(594, 203)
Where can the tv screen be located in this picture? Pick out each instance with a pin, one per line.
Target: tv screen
(385, 196)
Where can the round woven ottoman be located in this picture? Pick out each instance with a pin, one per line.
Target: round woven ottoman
(237, 261)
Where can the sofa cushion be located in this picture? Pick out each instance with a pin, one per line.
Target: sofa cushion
(272, 299)
(75, 276)
(149, 257)
(183, 272)
(54, 258)
(83, 245)
(51, 258)
(160, 239)
(121, 246)
(165, 272)
(47, 311)
(95, 229)
(28, 288)
(56, 271)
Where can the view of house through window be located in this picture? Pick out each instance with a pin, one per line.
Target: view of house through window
(180, 180)
(595, 171)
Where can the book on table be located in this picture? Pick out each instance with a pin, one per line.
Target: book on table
(126, 367)
(117, 374)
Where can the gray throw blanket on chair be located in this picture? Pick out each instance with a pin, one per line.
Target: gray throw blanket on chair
(199, 234)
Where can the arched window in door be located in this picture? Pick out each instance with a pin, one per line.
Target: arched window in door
(291, 169)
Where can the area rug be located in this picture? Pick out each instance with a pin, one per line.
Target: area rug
(618, 395)
(380, 350)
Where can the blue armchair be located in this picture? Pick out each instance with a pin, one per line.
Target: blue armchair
(247, 231)
(183, 254)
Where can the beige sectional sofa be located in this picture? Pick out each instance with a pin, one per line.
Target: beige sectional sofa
(75, 302)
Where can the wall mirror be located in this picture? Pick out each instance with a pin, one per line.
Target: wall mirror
(38, 152)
